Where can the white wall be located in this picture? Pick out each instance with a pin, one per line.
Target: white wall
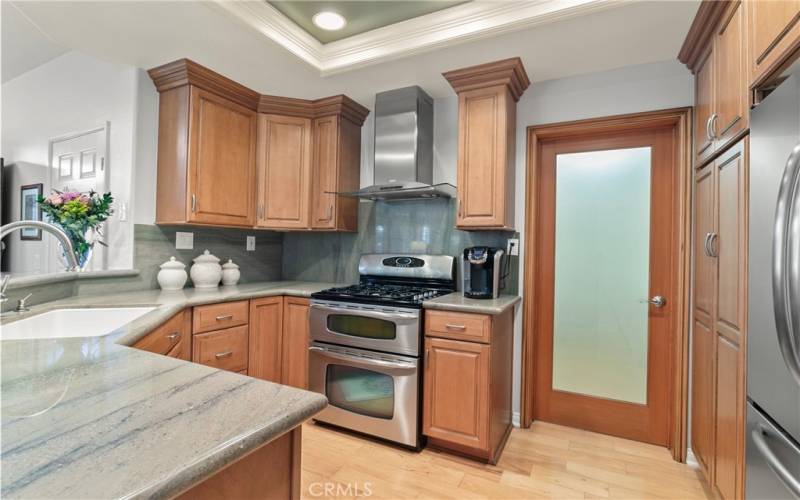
(72, 93)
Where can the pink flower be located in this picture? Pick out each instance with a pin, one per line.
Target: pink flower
(54, 199)
(70, 195)
(85, 199)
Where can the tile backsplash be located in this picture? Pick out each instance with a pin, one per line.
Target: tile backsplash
(413, 226)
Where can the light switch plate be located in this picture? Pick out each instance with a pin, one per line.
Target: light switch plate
(251, 243)
(513, 247)
(184, 241)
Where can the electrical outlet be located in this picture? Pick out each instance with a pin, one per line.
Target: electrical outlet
(251, 243)
(513, 247)
(184, 241)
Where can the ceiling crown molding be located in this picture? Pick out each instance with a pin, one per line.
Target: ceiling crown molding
(508, 72)
(470, 21)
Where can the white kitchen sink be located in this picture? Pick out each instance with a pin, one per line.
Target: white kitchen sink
(66, 323)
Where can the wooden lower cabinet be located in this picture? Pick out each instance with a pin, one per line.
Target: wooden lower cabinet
(720, 319)
(467, 390)
(268, 338)
(223, 349)
(271, 471)
(266, 335)
(173, 338)
(294, 360)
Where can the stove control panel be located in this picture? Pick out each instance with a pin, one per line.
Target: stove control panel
(402, 261)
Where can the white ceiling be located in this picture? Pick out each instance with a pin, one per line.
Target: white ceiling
(149, 33)
(24, 47)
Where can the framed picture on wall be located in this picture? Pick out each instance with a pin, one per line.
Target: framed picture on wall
(29, 210)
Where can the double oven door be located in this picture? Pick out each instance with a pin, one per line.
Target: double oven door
(365, 360)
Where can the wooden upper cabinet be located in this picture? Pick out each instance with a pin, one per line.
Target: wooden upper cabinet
(716, 51)
(730, 82)
(704, 107)
(284, 171)
(487, 103)
(206, 147)
(228, 156)
(337, 168)
(773, 34)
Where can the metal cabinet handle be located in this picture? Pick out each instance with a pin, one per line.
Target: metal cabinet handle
(785, 268)
(260, 211)
(194, 203)
(460, 212)
(708, 129)
(225, 354)
(759, 435)
(657, 301)
(455, 327)
(173, 337)
(712, 121)
(712, 250)
(427, 358)
(329, 215)
(225, 317)
(705, 245)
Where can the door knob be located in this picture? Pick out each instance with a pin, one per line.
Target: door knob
(657, 301)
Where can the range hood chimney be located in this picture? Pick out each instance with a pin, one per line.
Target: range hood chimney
(404, 148)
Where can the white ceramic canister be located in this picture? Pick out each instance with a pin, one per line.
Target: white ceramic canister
(172, 275)
(230, 273)
(206, 271)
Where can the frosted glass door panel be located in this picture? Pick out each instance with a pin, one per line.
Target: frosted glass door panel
(602, 256)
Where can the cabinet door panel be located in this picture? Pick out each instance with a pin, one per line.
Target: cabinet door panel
(774, 30)
(221, 161)
(323, 203)
(703, 395)
(704, 265)
(482, 157)
(703, 107)
(173, 338)
(266, 334)
(729, 420)
(223, 349)
(457, 392)
(294, 363)
(731, 97)
(284, 165)
(729, 245)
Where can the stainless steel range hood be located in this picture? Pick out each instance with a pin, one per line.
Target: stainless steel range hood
(404, 148)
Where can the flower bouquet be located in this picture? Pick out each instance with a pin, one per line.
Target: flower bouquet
(81, 216)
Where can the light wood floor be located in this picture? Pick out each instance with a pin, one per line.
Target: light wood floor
(545, 461)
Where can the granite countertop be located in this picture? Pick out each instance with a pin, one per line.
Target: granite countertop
(93, 418)
(457, 302)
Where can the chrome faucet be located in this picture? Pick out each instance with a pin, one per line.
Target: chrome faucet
(59, 233)
(3, 286)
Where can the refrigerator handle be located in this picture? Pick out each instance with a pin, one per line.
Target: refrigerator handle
(759, 435)
(785, 269)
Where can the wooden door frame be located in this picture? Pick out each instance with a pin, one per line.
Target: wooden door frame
(680, 120)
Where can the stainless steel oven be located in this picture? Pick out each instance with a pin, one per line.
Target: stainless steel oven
(371, 392)
(380, 328)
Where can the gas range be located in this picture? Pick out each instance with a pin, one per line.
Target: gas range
(366, 354)
(397, 281)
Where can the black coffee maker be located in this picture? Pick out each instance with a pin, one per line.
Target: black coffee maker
(482, 272)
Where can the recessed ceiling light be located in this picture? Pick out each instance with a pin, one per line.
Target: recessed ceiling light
(330, 21)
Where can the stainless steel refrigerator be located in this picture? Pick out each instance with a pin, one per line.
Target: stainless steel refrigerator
(773, 335)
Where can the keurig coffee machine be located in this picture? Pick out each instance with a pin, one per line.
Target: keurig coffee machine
(482, 272)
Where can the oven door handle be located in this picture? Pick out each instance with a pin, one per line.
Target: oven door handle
(364, 360)
(362, 312)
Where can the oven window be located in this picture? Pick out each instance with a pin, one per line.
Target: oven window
(360, 391)
(360, 326)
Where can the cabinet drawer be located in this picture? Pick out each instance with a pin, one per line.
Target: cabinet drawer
(173, 338)
(223, 349)
(217, 316)
(458, 326)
